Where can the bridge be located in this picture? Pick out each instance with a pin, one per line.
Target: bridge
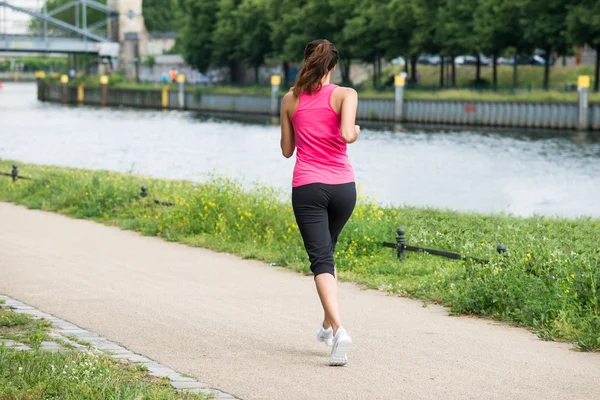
(64, 29)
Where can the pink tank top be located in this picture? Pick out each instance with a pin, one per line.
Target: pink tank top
(320, 150)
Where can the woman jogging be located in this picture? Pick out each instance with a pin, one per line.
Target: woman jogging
(318, 119)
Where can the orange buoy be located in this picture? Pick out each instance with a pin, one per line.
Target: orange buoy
(0, 84)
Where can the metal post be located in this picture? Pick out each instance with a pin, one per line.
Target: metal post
(65, 90)
(46, 24)
(401, 244)
(399, 82)
(583, 85)
(80, 94)
(77, 15)
(181, 94)
(15, 172)
(501, 249)
(103, 90)
(165, 96)
(275, 83)
(40, 76)
(137, 58)
(84, 15)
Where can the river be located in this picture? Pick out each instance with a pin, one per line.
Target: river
(474, 170)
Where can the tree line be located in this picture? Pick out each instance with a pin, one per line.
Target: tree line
(227, 33)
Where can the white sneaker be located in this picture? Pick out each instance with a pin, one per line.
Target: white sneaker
(325, 335)
(341, 347)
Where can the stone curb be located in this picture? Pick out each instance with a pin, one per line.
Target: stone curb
(66, 329)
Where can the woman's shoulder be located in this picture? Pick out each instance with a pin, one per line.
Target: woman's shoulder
(345, 92)
(289, 98)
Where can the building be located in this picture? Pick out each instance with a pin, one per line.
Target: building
(160, 43)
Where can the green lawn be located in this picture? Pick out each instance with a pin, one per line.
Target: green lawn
(529, 75)
(550, 280)
(70, 375)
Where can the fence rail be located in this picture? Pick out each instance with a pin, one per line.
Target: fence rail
(14, 174)
(401, 248)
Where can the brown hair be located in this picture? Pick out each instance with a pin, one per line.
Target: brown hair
(320, 56)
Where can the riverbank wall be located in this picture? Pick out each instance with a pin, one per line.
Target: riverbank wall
(513, 114)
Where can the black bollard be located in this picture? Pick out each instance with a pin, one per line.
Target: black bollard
(144, 192)
(15, 172)
(501, 249)
(401, 244)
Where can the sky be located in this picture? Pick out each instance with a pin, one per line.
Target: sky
(15, 23)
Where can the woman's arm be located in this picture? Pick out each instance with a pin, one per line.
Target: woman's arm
(288, 145)
(348, 128)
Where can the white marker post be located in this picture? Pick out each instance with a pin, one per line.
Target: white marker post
(399, 83)
(181, 94)
(275, 83)
(583, 86)
(64, 80)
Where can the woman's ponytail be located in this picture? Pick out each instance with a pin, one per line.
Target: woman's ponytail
(320, 56)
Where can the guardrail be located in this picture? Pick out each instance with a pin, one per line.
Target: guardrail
(401, 248)
(14, 174)
(10, 76)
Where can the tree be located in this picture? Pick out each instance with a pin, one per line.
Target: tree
(321, 19)
(197, 33)
(424, 38)
(498, 27)
(161, 15)
(401, 25)
(583, 24)
(226, 37)
(366, 35)
(545, 26)
(455, 32)
(256, 39)
(281, 21)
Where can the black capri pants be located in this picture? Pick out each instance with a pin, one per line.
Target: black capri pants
(321, 212)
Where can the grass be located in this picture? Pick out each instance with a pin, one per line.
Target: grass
(529, 75)
(23, 328)
(75, 339)
(78, 375)
(549, 281)
(474, 95)
(69, 375)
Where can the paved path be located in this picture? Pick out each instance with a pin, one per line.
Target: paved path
(248, 329)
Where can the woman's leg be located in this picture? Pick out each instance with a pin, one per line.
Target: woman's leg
(327, 323)
(341, 206)
(310, 204)
(327, 288)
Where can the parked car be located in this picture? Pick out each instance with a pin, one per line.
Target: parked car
(398, 61)
(429, 60)
(465, 60)
(472, 60)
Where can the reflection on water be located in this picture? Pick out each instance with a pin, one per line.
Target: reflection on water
(485, 170)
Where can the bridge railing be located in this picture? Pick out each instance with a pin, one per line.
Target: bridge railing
(9, 76)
